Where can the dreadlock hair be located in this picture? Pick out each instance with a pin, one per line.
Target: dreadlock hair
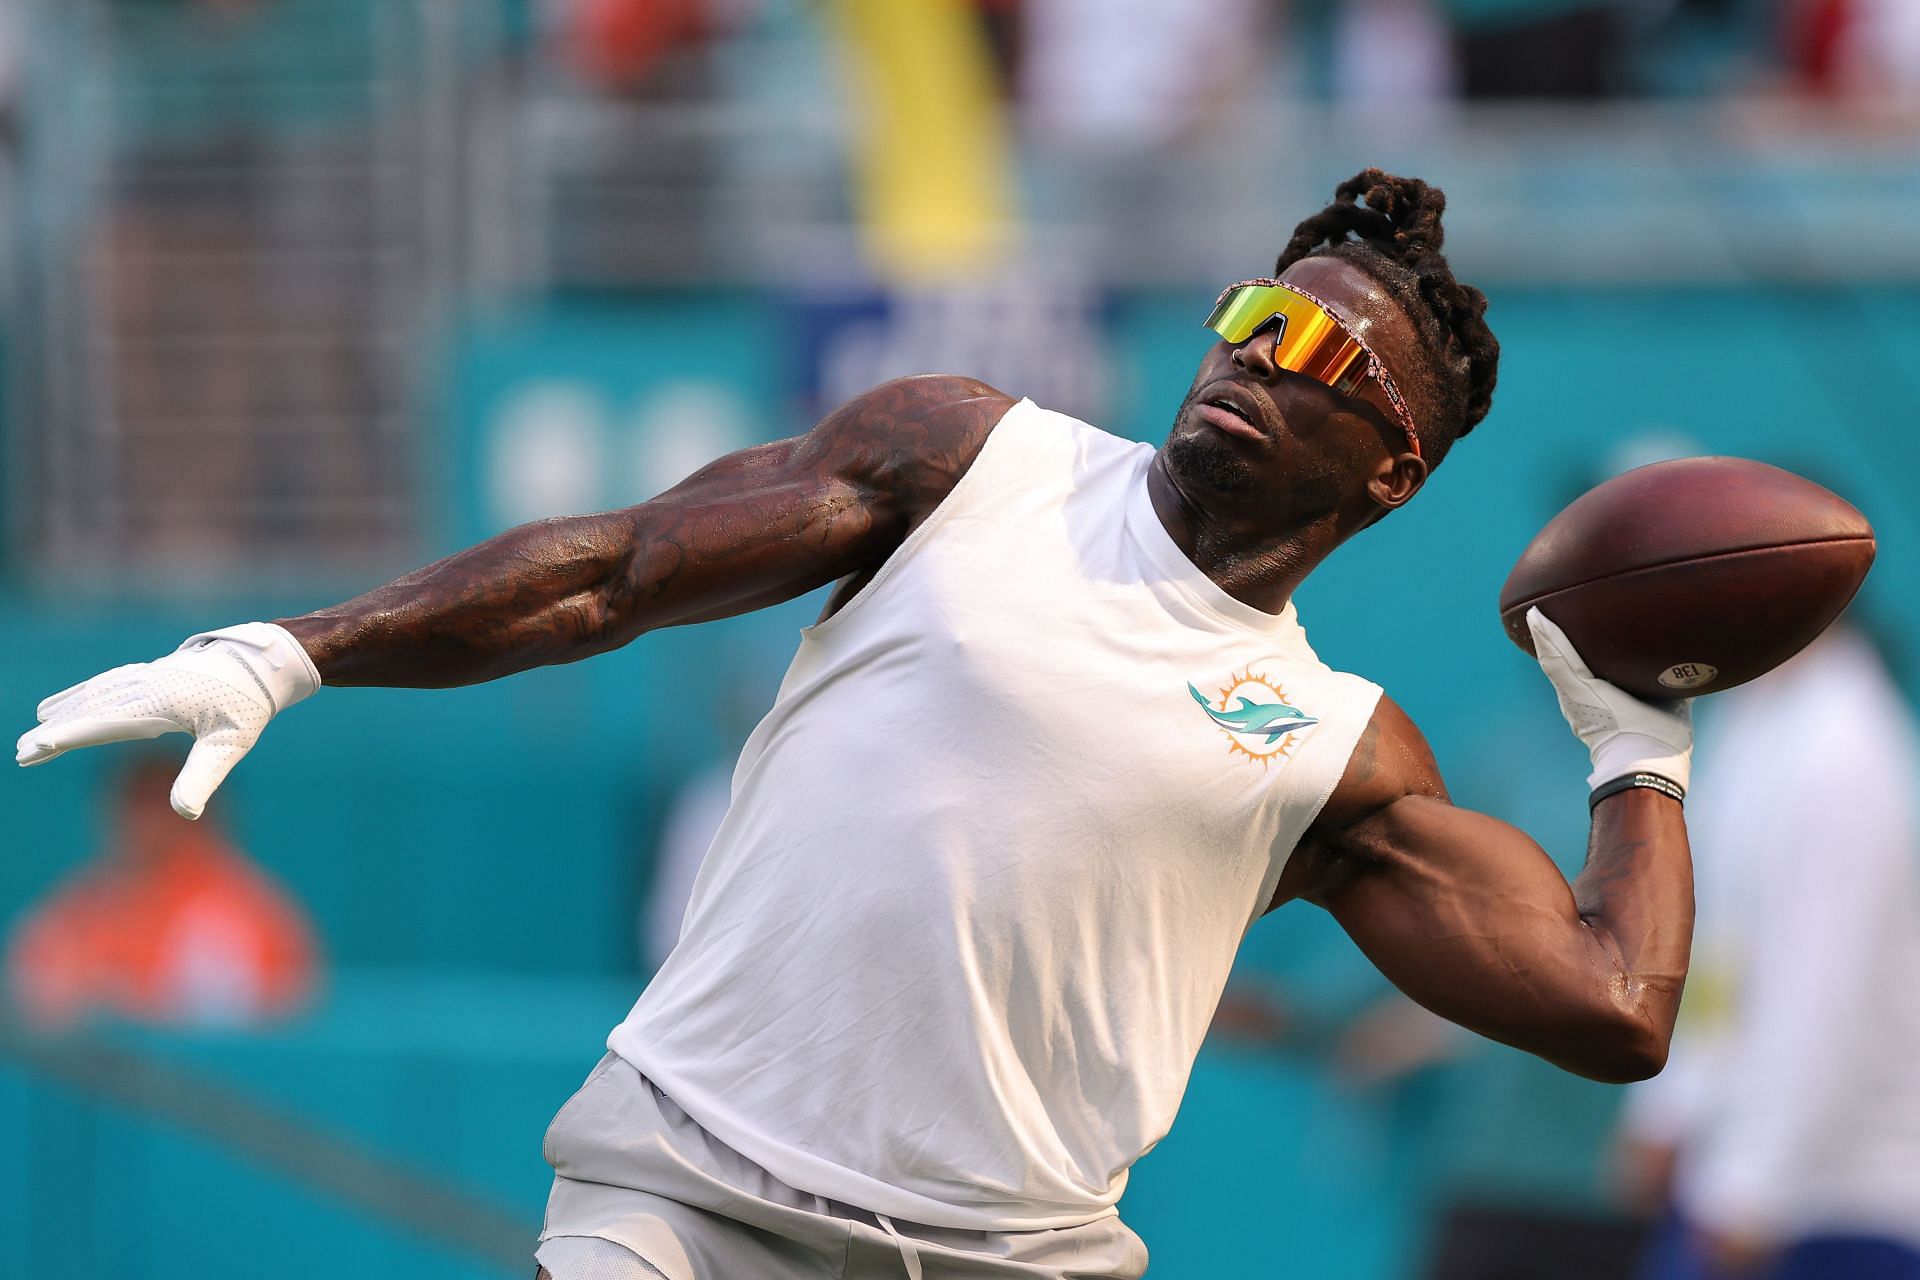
(1395, 237)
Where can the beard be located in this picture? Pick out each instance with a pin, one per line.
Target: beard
(1203, 461)
(1206, 461)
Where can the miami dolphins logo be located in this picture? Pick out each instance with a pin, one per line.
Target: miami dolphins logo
(1256, 717)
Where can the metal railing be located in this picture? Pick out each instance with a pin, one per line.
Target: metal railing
(233, 246)
(231, 241)
(1630, 192)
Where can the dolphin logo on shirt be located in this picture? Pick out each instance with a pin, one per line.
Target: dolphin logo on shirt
(1255, 719)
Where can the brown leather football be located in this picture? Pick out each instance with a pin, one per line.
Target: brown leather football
(1692, 576)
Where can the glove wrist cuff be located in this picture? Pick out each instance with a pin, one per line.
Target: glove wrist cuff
(273, 655)
(308, 675)
(1629, 753)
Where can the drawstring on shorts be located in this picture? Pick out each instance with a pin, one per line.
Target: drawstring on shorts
(908, 1253)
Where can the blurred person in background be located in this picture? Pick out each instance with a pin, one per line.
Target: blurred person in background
(616, 45)
(1886, 50)
(1390, 56)
(638, 59)
(171, 924)
(1856, 50)
(1573, 49)
(1000, 21)
(1124, 76)
(692, 818)
(694, 813)
(1784, 1136)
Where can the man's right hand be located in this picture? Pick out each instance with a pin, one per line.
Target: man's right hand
(1470, 918)
(220, 686)
(1623, 734)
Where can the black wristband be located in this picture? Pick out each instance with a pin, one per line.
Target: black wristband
(1627, 782)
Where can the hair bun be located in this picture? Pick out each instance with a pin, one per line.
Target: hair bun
(1389, 227)
(1408, 211)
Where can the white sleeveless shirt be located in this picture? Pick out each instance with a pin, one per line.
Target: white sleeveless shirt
(956, 943)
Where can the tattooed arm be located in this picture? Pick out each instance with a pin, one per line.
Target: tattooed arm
(1469, 917)
(752, 529)
(760, 526)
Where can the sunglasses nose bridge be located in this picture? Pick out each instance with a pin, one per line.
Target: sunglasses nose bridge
(1255, 353)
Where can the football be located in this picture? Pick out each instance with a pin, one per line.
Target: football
(1692, 576)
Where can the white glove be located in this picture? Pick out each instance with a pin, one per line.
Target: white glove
(1624, 734)
(220, 686)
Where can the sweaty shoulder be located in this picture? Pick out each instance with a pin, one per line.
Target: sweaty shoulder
(906, 443)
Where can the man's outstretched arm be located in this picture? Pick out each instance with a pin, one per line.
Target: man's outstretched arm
(1469, 917)
(752, 529)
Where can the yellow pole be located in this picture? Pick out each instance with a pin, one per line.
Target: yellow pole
(931, 182)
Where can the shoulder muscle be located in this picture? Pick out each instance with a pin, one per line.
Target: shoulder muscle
(904, 444)
(1391, 762)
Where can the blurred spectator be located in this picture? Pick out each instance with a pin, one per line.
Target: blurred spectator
(692, 819)
(1540, 48)
(1784, 1134)
(1390, 55)
(1812, 34)
(616, 44)
(745, 691)
(1853, 48)
(1884, 57)
(1128, 74)
(14, 22)
(1000, 19)
(171, 924)
(245, 252)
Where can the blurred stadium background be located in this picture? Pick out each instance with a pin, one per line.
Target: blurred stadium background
(301, 293)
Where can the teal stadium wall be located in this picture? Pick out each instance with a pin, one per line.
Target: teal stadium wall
(475, 858)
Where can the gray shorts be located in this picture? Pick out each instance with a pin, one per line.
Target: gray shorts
(632, 1168)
